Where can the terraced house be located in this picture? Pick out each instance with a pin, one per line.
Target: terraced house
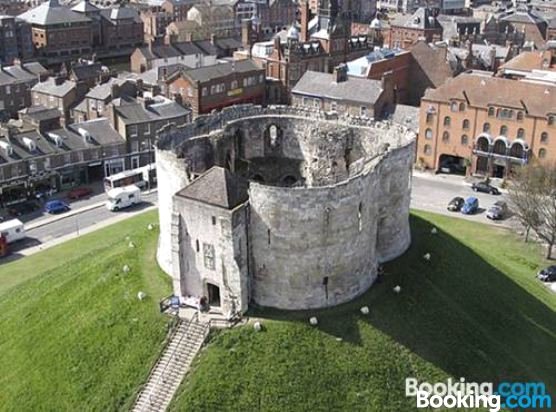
(490, 125)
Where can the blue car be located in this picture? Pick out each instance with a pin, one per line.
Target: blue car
(470, 206)
(56, 206)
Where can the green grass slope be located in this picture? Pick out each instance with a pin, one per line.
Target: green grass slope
(474, 311)
(74, 335)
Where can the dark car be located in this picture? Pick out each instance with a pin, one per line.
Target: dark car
(56, 206)
(548, 274)
(80, 192)
(485, 188)
(23, 208)
(497, 211)
(456, 204)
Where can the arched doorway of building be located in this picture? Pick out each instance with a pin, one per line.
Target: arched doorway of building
(451, 164)
(213, 292)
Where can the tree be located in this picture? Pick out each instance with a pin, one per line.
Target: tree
(533, 197)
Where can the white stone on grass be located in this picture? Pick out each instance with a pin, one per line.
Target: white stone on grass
(257, 326)
(427, 257)
(364, 310)
(397, 289)
(141, 295)
(150, 226)
(434, 231)
(131, 245)
(313, 321)
(126, 269)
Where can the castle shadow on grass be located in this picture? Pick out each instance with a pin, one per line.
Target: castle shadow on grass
(458, 311)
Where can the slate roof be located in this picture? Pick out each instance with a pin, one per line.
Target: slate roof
(422, 19)
(222, 46)
(40, 113)
(318, 84)
(101, 130)
(217, 187)
(539, 99)
(132, 111)
(85, 6)
(24, 73)
(120, 13)
(207, 73)
(86, 71)
(51, 12)
(104, 91)
(528, 16)
(51, 88)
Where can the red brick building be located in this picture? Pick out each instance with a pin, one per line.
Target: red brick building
(491, 125)
(214, 87)
(405, 31)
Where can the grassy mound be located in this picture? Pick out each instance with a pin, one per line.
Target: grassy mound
(74, 334)
(475, 310)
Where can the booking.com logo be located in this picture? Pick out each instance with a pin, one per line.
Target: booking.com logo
(463, 394)
(529, 395)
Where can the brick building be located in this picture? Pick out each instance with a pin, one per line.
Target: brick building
(489, 124)
(122, 30)
(177, 8)
(56, 93)
(405, 31)
(15, 84)
(15, 40)
(340, 93)
(217, 86)
(155, 23)
(59, 33)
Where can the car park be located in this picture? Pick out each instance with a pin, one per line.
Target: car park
(497, 211)
(470, 206)
(56, 206)
(456, 204)
(485, 187)
(80, 192)
(548, 274)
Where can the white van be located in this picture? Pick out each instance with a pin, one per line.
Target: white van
(12, 230)
(122, 197)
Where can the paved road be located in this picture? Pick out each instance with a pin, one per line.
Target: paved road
(78, 222)
(430, 192)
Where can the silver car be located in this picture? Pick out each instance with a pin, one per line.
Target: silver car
(497, 211)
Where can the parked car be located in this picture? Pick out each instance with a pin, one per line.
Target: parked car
(485, 188)
(56, 206)
(122, 197)
(80, 192)
(23, 208)
(451, 167)
(470, 206)
(497, 211)
(548, 274)
(456, 204)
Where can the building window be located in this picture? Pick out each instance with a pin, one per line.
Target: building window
(132, 130)
(134, 146)
(233, 84)
(486, 128)
(491, 111)
(447, 121)
(544, 137)
(147, 128)
(204, 92)
(333, 106)
(551, 119)
(428, 134)
(464, 140)
(465, 124)
(542, 153)
(429, 118)
(427, 149)
(454, 107)
(189, 92)
(503, 130)
(445, 137)
(363, 111)
(213, 219)
(519, 116)
(135, 162)
(462, 107)
(520, 133)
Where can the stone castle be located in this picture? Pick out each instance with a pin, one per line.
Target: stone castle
(281, 207)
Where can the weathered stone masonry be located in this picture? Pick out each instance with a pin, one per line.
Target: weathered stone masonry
(327, 201)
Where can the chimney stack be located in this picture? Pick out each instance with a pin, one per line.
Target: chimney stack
(305, 16)
(340, 73)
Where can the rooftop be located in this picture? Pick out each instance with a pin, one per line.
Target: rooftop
(217, 187)
(320, 84)
(133, 111)
(50, 13)
(482, 91)
(207, 73)
(50, 87)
